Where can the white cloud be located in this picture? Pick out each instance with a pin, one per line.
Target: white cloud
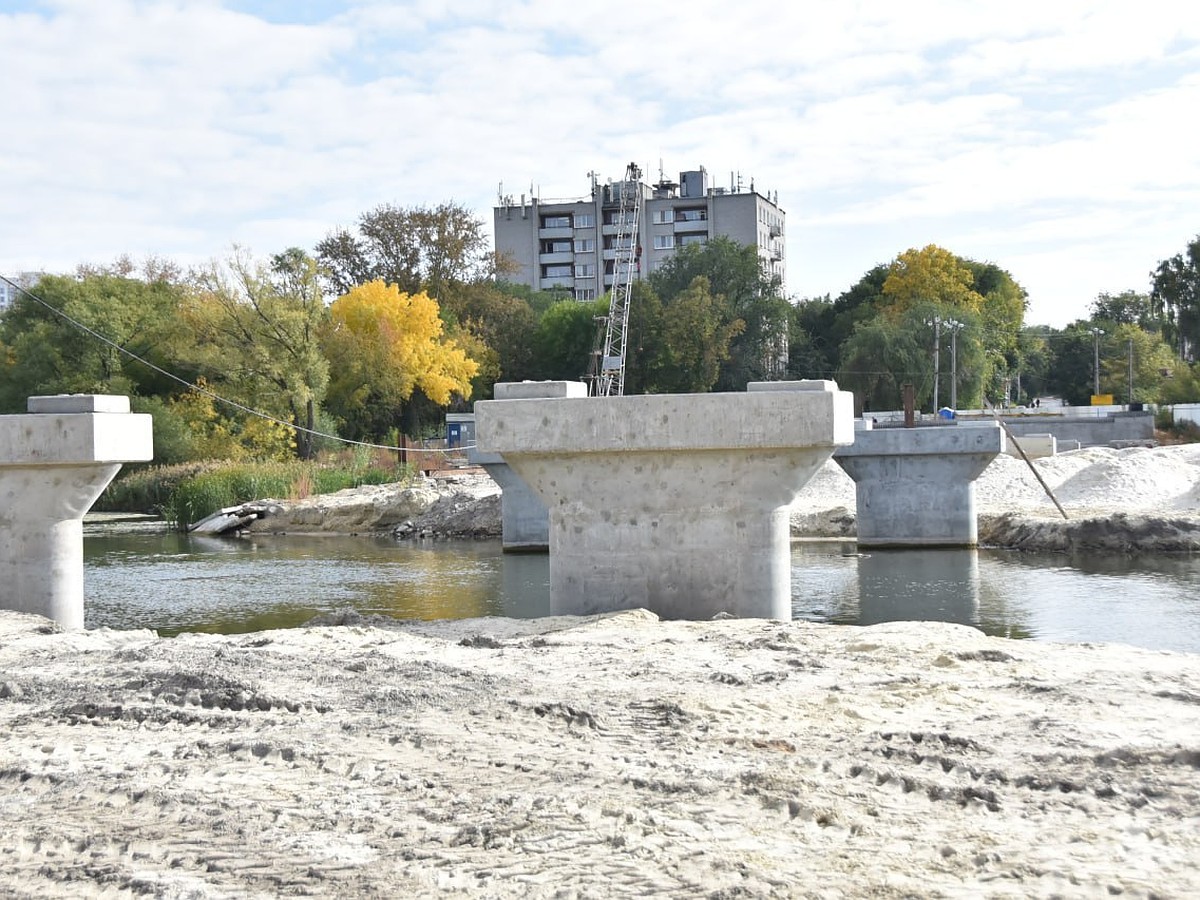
(1052, 139)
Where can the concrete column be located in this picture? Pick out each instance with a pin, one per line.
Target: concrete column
(915, 487)
(676, 503)
(54, 463)
(524, 520)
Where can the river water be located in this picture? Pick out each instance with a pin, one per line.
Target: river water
(174, 583)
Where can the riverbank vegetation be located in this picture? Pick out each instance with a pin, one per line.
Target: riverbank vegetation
(185, 493)
(384, 327)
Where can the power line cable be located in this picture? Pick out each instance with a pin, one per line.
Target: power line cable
(203, 390)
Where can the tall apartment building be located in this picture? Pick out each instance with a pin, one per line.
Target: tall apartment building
(570, 245)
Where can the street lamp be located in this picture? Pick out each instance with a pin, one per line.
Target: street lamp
(955, 327)
(936, 322)
(1096, 332)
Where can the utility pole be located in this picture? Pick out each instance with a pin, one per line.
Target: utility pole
(1131, 372)
(955, 327)
(936, 322)
(1096, 332)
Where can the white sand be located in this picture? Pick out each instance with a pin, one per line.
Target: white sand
(616, 757)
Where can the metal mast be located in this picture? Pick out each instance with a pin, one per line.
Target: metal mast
(609, 381)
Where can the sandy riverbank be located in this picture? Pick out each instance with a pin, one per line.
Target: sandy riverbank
(621, 756)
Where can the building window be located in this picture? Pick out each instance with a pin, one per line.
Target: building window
(556, 221)
(664, 216)
(685, 239)
(585, 271)
(585, 293)
(664, 242)
(613, 217)
(585, 220)
(691, 215)
(556, 271)
(556, 246)
(585, 245)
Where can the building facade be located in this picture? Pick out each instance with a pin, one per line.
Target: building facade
(571, 245)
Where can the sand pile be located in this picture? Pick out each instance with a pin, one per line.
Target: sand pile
(611, 757)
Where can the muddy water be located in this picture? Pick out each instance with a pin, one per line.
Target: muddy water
(174, 583)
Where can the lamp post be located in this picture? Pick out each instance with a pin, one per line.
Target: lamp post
(955, 327)
(936, 322)
(1096, 332)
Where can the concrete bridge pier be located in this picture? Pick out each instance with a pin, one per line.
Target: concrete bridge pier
(54, 463)
(524, 519)
(915, 487)
(676, 503)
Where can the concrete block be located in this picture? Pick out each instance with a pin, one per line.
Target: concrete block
(53, 466)
(804, 385)
(915, 487)
(78, 403)
(533, 390)
(675, 503)
(1036, 446)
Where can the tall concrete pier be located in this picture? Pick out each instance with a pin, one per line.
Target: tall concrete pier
(676, 503)
(915, 487)
(54, 463)
(524, 519)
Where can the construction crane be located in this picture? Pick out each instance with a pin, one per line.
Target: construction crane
(606, 371)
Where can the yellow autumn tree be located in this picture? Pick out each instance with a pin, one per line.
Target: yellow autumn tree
(382, 346)
(930, 275)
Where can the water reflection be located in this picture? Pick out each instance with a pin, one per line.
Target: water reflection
(175, 583)
(932, 585)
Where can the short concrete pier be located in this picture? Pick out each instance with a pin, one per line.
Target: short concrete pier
(524, 519)
(915, 487)
(54, 463)
(675, 503)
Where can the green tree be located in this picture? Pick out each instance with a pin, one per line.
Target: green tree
(416, 248)
(1126, 308)
(743, 290)
(504, 324)
(1175, 299)
(829, 325)
(677, 346)
(45, 353)
(564, 338)
(254, 332)
(877, 359)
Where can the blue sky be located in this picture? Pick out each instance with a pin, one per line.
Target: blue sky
(1053, 139)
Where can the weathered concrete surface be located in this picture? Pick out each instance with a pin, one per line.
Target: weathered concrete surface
(525, 521)
(674, 503)
(54, 463)
(915, 487)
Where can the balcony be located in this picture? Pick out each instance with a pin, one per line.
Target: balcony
(567, 256)
(561, 281)
(686, 226)
(560, 233)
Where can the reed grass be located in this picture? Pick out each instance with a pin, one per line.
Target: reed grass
(186, 493)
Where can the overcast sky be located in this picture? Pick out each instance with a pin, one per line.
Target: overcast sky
(1057, 139)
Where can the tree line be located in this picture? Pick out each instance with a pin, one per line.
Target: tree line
(381, 328)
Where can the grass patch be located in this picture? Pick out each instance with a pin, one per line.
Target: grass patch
(186, 493)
